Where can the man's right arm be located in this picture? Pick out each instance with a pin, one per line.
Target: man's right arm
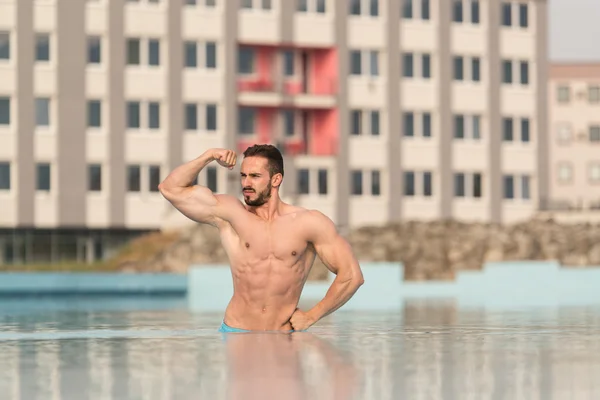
(199, 203)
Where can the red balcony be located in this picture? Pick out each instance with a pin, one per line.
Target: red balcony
(313, 132)
(288, 72)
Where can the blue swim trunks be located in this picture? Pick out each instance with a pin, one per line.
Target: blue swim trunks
(228, 329)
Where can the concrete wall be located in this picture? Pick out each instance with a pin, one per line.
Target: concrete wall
(91, 284)
(498, 285)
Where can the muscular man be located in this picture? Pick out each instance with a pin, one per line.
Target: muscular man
(271, 245)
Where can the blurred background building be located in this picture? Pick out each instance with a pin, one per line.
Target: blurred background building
(574, 134)
(385, 110)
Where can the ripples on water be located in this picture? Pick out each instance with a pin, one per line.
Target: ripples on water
(155, 349)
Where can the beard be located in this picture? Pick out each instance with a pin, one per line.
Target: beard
(261, 198)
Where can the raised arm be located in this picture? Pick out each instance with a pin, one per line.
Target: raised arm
(338, 257)
(199, 203)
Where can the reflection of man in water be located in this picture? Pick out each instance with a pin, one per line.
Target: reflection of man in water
(278, 366)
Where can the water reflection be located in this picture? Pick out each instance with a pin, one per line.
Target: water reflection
(427, 350)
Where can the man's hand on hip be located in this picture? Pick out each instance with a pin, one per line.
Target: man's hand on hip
(301, 321)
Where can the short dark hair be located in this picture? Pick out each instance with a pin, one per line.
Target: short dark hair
(271, 153)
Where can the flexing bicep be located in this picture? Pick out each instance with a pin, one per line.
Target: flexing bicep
(200, 204)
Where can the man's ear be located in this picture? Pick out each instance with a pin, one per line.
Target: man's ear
(276, 180)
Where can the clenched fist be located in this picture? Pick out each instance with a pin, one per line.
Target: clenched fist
(226, 158)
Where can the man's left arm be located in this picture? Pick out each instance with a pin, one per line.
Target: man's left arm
(338, 257)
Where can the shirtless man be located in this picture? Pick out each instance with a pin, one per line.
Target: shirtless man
(271, 245)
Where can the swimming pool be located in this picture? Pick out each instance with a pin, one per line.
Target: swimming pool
(155, 348)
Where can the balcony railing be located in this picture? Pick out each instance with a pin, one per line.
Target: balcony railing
(291, 87)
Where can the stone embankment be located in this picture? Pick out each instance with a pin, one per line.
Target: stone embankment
(428, 250)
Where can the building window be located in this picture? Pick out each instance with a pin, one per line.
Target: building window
(475, 11)
(190, 52)
(94, 114)
(375, 123)
(507, 71)
(94, 50)
(506, 14)
(211, 55)
(133, 51)
(355, 122)
(457, 11)
(409, 183)
(427, 184)
(565, 172)
(4, 176)
(459, 184)
(4, 111)
(211, 179)
(594, 173)
(375, 183)
(191, 117)
(4, 46)
(43, 177)
(374, 8)
(525, 128)
(524, 72)
(289, 122)
(94, 177)
(321, 6)
(507, 129)
(523, 15)
(133, 114)
(246, 120)
(355, 62)
(563, 94)
(409, 124)
(42, 47)
(153, 52)
(154, 115)
(153, 178)
(408, 65)
(357, 57)
(322, 181)
(407, 9)
(302, 5)
(42, 111)
(356, 183)
(245, 60)
(594, 94)
(595, 133)
(134, 178)
(476, 69)
(288, 62)
(517, 186)
(426, 66)
(458, 68)
(374, 63)
(477, 185)
(476, 127)
(354, 7)
(425, 10)
(426, 121)
(211, 117)
(563, 133)
(459, 127)
(303, 181)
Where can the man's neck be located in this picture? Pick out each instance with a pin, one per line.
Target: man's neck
(268, 211)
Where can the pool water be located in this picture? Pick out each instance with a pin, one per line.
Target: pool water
(154, 348)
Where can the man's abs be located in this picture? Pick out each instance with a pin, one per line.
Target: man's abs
(264, 299)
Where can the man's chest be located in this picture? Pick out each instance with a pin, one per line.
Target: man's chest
(270, 240)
